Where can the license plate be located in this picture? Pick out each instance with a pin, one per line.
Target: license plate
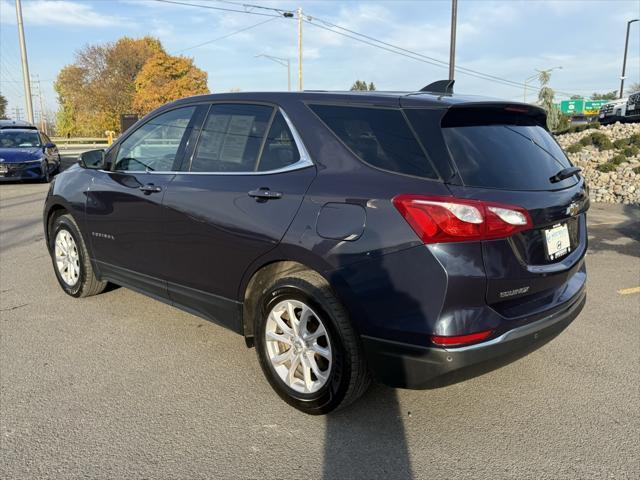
(557, 241)
(602, 115)
(3, 169)
(631, 106)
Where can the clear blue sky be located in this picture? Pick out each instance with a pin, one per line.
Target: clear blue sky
(508, 39)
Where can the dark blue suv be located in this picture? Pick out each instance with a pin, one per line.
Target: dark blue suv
(419, 238)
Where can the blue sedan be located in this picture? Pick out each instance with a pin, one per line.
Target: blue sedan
(27, 154)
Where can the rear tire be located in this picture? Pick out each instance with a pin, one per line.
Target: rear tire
(70, 259)
(342, 375)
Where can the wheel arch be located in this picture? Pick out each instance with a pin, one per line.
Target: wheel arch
(53, 211)
(261, 278)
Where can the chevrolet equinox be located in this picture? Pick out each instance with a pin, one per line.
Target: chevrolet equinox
(415, 238)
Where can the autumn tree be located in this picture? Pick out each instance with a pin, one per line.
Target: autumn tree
(165, 78)
(100, 85)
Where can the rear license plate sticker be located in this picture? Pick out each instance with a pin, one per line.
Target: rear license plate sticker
(557, 241)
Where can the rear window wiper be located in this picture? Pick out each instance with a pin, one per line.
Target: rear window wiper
(565, 173)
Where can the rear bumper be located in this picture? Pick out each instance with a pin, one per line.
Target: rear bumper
(409, 366)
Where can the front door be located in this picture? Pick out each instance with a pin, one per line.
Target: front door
(124, 205)
(244, 184)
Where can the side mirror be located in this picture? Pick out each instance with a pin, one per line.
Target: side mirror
(93, 159)
(49, 145)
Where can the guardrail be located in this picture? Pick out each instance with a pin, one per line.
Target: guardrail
(62, 141)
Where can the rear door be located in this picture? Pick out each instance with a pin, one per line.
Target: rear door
(124, 205)
(503, 154)
(241, 189)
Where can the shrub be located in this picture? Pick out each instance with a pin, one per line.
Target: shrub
(630, 151)
(598, 140)
(583, 127)
(636, 170)
(618, 159)
(606, 167)
(621, 142)
(575, 148)
(635, 139)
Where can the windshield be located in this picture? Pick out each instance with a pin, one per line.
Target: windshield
(510, 157)
(19, 139)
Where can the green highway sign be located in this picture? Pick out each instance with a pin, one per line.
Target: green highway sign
(571, 107)
(592, 107)
(581, 107)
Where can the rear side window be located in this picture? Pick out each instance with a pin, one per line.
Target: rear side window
(280, 148)
(379, 136)
(509, 157)
(231, 138)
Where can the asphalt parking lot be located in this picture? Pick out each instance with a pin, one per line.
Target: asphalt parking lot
(122, 386)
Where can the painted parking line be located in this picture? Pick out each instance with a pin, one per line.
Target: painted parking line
(629, 291)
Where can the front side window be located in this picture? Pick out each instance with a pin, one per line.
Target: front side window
(379, 137)
(231, 138)
(155, 145)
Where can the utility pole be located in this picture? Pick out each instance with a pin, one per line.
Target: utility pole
(624, 61)
(43, 119)
(452, 44)
(299, 11)
(25, 65)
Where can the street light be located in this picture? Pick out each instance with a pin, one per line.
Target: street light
(624, 61)
(536, 75)
(282, 61)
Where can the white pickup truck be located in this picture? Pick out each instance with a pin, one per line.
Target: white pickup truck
(623, 110)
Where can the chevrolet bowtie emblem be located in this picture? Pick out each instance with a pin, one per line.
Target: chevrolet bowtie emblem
(573, 209)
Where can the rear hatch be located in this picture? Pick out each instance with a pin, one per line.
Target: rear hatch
(503, 153)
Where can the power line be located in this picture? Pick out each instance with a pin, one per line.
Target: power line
(210, 7)
(415, 55)
(441, 63)
(366, 39)
(229, 34)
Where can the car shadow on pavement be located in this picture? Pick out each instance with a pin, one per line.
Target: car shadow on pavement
(367, 440)
(622, 238)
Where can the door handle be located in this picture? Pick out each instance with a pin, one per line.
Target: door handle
(264, 194)
(150, 188)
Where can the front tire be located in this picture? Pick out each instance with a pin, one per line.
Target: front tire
(71, 261)
(307, 347)
(46, 175)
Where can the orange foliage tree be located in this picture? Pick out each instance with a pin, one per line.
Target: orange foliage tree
(165, 78)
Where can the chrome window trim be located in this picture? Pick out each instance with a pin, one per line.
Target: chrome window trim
(304, 161)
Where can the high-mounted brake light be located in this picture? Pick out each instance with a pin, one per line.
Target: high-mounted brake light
(439, 219)
(460, 340)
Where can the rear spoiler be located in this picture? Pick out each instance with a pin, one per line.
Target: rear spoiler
(487, 113)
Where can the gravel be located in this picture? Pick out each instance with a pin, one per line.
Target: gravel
(619, 186)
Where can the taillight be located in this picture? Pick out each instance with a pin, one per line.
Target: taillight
(439, 219)
(460, 340)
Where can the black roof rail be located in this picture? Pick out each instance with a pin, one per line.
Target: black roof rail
(440, 86)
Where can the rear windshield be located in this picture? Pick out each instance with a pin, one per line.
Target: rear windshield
(379, 136)
(510, 157)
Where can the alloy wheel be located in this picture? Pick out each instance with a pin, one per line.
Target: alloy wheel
(298, 346)
(67, 257)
